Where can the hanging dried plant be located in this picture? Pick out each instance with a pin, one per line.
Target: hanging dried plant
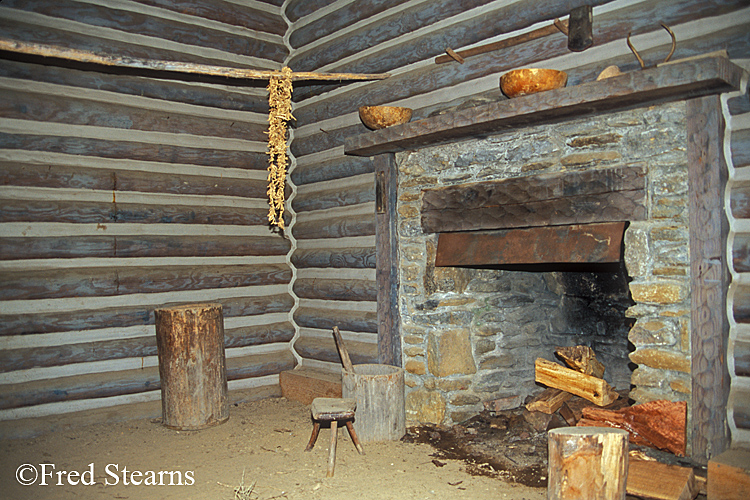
(280, 112)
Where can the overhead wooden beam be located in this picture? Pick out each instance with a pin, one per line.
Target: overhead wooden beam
(82, 56)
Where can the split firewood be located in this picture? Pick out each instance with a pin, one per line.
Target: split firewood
(543, 421)
(549, 401)
(538, 420)
(594, 389)
(655, 480)
(658, 424)
(582, 359)
(567, 414)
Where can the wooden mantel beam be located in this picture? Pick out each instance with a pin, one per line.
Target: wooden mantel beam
(671, 82)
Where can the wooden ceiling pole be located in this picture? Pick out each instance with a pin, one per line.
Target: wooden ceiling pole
(37, 49)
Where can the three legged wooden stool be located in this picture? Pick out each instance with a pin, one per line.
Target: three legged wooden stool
(333, 410)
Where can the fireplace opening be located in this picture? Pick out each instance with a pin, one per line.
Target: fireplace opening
(512, 245)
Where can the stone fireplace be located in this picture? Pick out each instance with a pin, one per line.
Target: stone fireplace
(471, 333)
(646, 150)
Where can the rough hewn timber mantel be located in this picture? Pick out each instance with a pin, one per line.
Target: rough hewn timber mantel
(670, 82)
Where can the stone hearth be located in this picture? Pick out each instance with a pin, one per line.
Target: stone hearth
(471, 335)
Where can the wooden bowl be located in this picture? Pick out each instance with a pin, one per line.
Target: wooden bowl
(520, 82)
(377, 117)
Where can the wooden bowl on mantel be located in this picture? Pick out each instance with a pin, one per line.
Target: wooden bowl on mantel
(377, 117)
(520, 82)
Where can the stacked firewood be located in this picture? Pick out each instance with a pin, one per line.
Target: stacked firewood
(658, 424)
(577, 395)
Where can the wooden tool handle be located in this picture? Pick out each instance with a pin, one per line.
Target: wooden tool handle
(342, 350)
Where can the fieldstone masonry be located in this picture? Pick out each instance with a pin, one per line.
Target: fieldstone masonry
(471, 336)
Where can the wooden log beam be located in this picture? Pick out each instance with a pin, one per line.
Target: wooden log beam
(64, 321)
(586, 243)
(100, 385)
(66, 111)
(324, 319)
(335, 198)
(330, 289)
(139, 347)
(611, 194)
(324, 349)
(38, 49)
(140, 246)
(142, 213)
(338, 227)
(347, 258)
(588, 387)
(100, 282)
(132, 150)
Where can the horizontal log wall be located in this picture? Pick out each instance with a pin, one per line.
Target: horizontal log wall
(404, 38)
(738, 147)
(122, 192)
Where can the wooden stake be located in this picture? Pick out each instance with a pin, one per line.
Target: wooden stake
(587, 464)
(38, 49)
(504, 44)
(345, 360)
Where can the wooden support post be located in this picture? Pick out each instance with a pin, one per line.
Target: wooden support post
(192, 366)
(709, 273)
(389, 337)
(587, 463)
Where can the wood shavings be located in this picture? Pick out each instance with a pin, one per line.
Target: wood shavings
(280, 112)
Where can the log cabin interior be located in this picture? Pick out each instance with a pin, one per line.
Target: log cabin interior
(461, 246)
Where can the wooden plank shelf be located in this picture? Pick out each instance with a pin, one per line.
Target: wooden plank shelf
(669, 82)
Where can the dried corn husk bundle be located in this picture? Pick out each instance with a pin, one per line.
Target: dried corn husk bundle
(280, 112)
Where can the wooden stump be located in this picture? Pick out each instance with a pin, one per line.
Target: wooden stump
(192, 366)
(587, 463)
(379, 391)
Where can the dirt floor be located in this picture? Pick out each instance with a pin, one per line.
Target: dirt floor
(264, 442)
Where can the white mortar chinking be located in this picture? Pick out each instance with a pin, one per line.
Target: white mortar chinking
(735, 226)
(289, 209)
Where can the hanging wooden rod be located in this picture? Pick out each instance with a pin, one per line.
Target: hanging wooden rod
(557, 27)
(37, 49)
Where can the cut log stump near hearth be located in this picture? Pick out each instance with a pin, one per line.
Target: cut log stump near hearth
(587, 463)
(589, 387)
(658, 424)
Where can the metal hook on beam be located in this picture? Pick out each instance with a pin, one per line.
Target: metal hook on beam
(669, 56)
